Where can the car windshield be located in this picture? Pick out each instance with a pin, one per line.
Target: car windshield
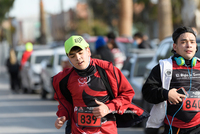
(164, 51)
(198, 52)
(127, 64)
(141, 66)
(39, 59)
(126, 46)
(60, 56)
(19, 55)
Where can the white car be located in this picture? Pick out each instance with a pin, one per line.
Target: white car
(134, 69)
(20, 50)
(50, 68)
(30, 73)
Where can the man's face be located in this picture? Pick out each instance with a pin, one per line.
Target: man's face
(80, 58)
(138, 40)
(186, 45)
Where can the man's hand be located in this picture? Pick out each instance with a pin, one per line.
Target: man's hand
(60, 121)
(175, 97)
(100, 111)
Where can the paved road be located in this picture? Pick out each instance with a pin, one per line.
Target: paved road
(28, 114)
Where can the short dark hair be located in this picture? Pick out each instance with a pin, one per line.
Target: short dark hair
(138, 35)
(111, 35)
(75, 48)
(180, 30)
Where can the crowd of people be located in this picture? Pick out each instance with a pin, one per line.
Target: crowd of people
(174, 95)
(92, 91)
(111, 51)
(83, 96)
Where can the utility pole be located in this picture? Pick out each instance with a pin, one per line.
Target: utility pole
(63, 26)
(42, 24)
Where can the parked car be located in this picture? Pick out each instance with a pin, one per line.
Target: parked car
(20, 50)
(51, 67)
(30, 73)
(134, 68)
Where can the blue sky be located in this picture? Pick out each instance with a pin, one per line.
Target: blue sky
(26, 8)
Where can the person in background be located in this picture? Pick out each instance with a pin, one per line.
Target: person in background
(119, 57)
(103, 50)
(178, 111)
(13, 69)
(27, 53)
(140, 42)
(112, 38)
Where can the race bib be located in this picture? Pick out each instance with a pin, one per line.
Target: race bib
(85, 117)
(192, 102)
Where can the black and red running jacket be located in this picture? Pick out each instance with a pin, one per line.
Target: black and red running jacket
(84, 87)
(154, 93)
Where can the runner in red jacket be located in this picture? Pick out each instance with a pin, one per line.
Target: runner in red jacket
(82, 96)
(27, 53)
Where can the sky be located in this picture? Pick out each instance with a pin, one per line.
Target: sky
(26, 8)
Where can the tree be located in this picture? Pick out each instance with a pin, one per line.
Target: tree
(5, 6)
(190, 13)
(176, 8)
(105, 11)
(42, 38)
(145, 17)
(126, 17)
(150, 15)
(165, 18)
(117, 14)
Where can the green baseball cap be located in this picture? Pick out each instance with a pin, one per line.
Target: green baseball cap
(75, 40)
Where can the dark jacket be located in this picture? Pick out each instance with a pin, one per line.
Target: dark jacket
(154, 93)
(12, 68)
(144, 44)
(105, 54)
(103, 50)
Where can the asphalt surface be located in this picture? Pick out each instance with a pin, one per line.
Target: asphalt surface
(28, 114)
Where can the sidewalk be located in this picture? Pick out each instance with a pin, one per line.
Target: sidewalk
(4, 82)
(3, 74)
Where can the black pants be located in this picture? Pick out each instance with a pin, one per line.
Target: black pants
(14, 81)
(192, 130)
